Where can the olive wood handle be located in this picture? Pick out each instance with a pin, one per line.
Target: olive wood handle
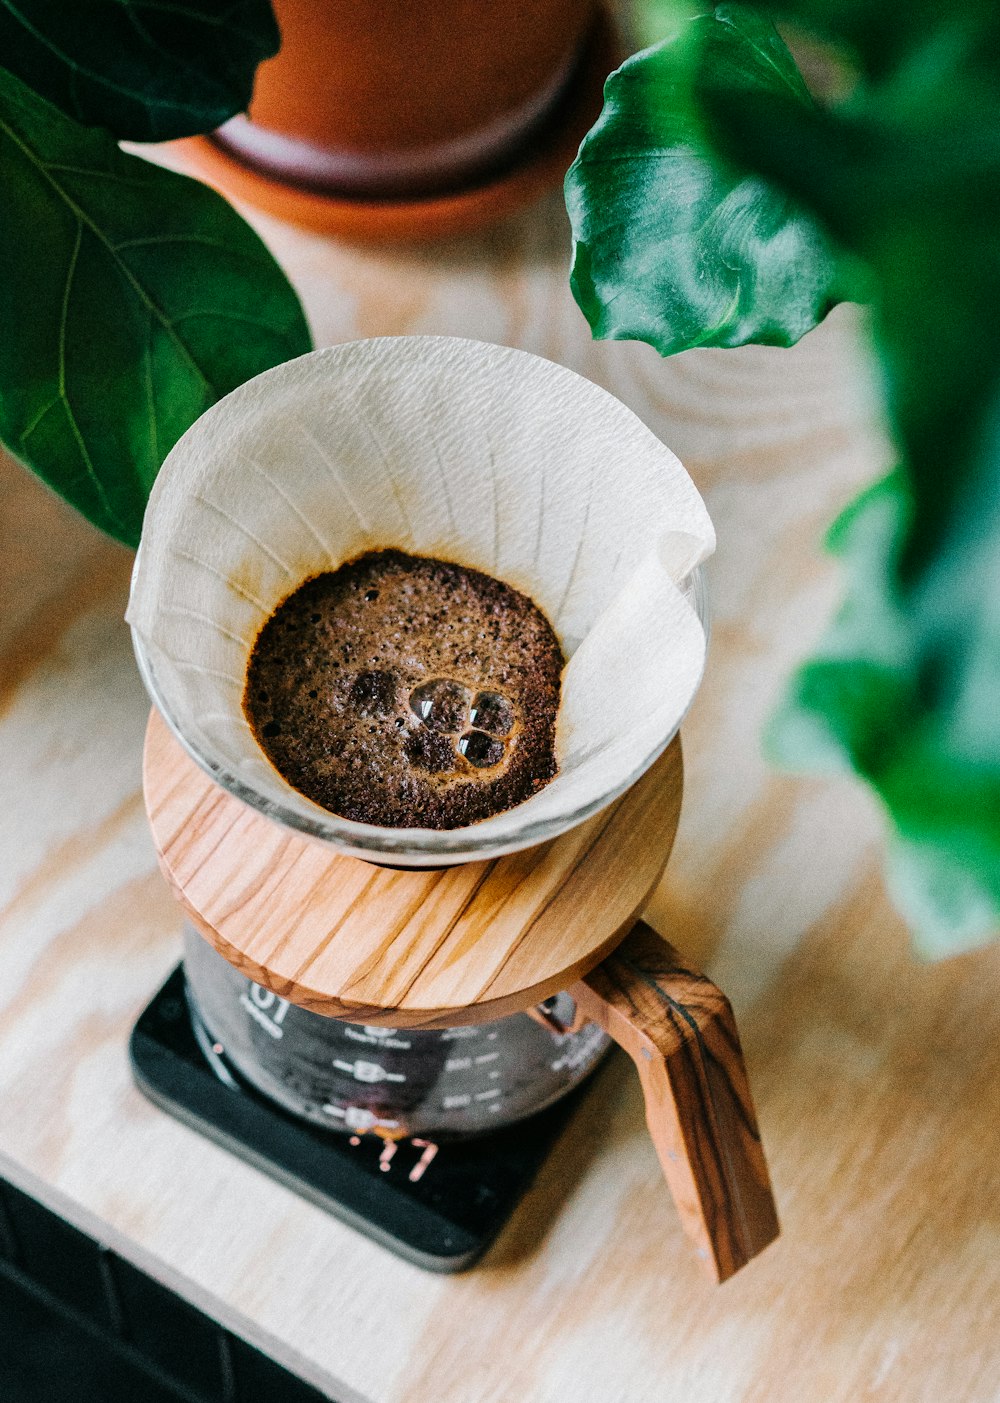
(679, 1030)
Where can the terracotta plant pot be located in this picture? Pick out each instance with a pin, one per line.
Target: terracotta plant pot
(406, 120)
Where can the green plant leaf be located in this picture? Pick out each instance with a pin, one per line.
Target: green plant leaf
(148, 70)
(132, 298)
(671, 245)
(902, 174)
(885, 40)
(906, 173)
(904, 692)
(914, 192)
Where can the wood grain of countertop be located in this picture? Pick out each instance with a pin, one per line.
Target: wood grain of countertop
(876, 1078)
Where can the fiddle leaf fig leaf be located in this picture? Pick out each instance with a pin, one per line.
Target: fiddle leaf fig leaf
(148, 70)
(673, 246)
(132, 299)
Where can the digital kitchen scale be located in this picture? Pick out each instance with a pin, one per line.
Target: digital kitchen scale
(438, 1205)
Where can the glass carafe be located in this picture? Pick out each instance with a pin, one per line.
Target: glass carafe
(347, 1077)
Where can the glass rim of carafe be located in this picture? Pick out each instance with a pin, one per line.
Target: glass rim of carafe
(413, 847)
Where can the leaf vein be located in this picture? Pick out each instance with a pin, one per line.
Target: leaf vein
(95, 229)
(81, 444)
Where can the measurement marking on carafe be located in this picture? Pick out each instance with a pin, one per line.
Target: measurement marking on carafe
(457, 1064)
(270, 1024)
(359, 1118)
(266, 998)
(454, 1103)
(487, 1057)
(367, 1071)
(385, 1037)
(488, 1095)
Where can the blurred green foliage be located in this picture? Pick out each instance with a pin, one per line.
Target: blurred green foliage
(899, 177)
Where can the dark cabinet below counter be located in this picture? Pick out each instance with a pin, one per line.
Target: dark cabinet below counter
(79, 1324)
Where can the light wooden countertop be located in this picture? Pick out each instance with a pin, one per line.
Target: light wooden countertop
(876, 1078)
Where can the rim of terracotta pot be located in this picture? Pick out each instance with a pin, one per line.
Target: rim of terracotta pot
(535, 169)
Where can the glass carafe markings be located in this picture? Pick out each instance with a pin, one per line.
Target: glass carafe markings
(393, 1082)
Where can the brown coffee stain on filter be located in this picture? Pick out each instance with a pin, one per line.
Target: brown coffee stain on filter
(246, 581)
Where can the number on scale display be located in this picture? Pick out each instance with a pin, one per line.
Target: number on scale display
(390, 1149)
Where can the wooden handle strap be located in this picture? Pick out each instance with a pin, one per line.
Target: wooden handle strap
(678, 1028)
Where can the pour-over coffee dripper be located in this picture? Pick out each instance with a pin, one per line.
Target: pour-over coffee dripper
(533, 900)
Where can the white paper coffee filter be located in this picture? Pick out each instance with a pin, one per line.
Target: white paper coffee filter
(474, 453)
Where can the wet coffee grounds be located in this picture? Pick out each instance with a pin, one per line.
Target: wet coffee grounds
(407, 692)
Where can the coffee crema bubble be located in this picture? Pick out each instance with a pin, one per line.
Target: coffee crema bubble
(405, 691)
(481, 750)
(493, 713)
(441, 704)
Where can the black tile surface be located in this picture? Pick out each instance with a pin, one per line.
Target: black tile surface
(78, 1324)
(259, 1380)
(46, 1356)
(170, 1332)
(62, 1260)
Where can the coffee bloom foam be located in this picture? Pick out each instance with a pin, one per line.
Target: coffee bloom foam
(439, 446)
